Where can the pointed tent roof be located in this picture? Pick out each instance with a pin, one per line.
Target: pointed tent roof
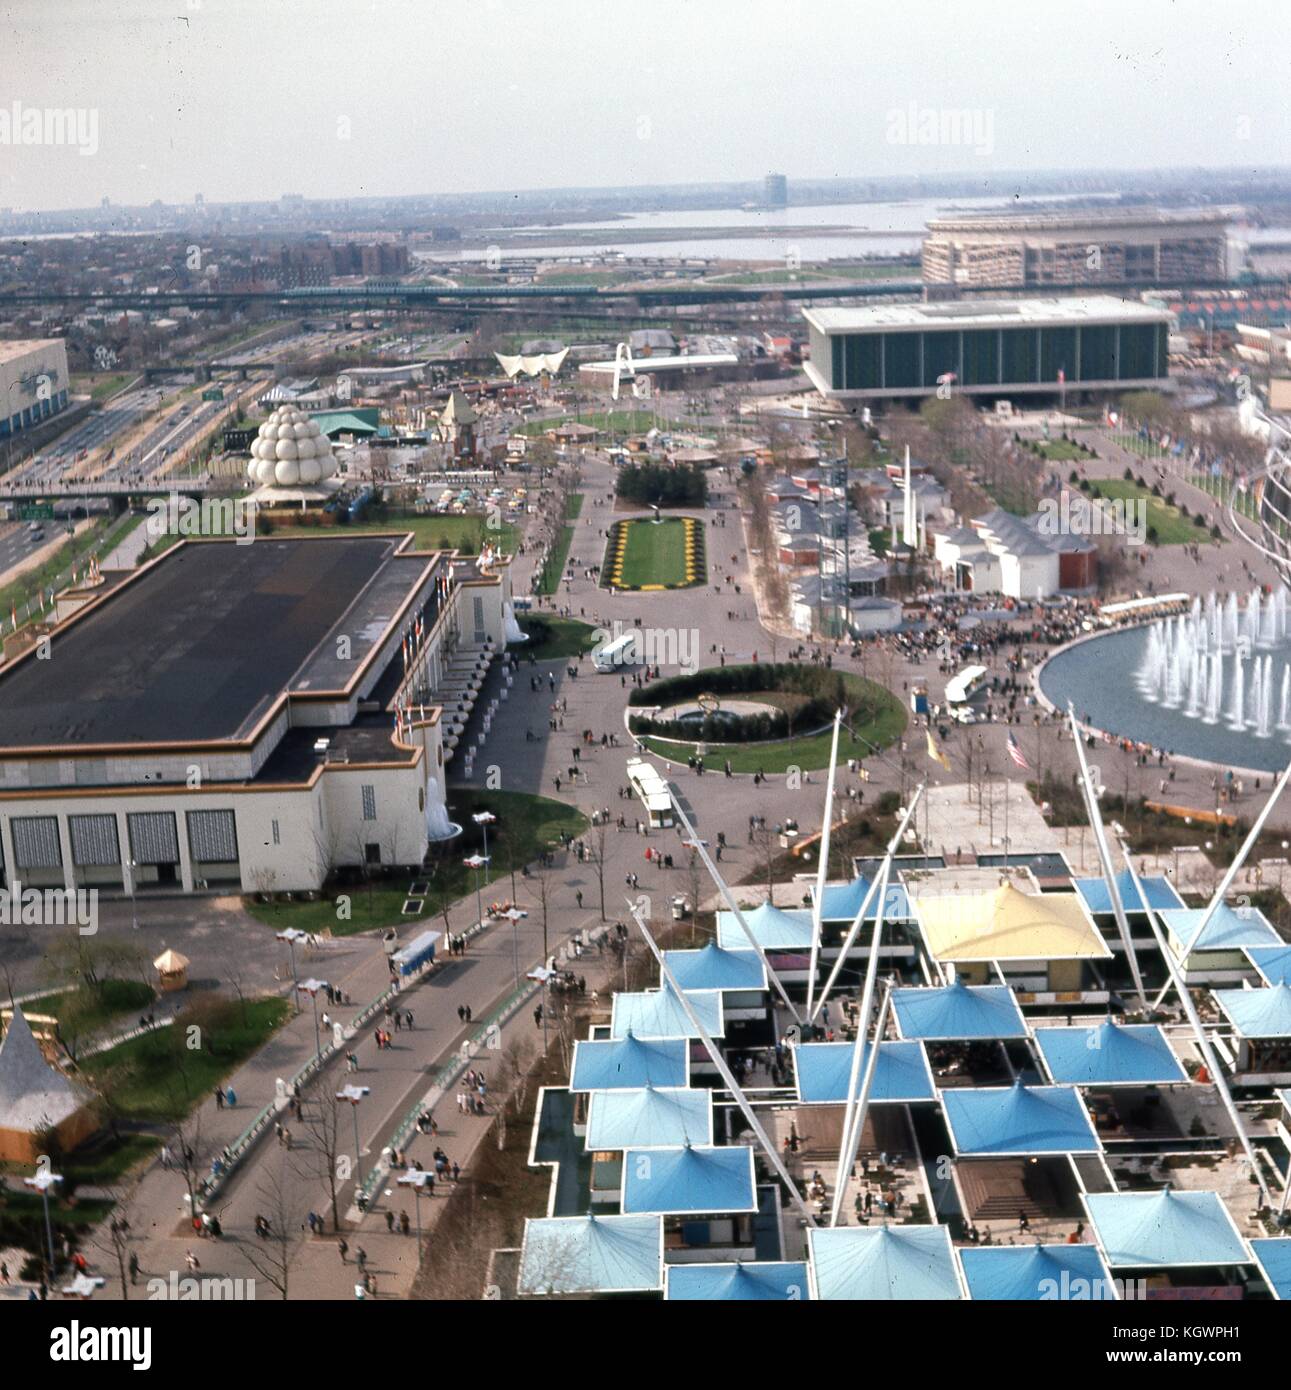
(714, 967)
(774, 928)
(957, 1012)
(689, 1181)
(1005, 924)
(1110, 1054)
(657, 1013)
(458, 411)
(1273, 1255)
(653, 1117)
(842, 901)
(884, 1262)
(1273, 962)
(171, 962)
(1165, 1228)
(1258, 1013)
(1158, 891)
(728, 1283)
(1018, 1119)
(591, 1254)
(33, 1094)
(1020, 1272)
(1228, 930)
(824, 1071)
(629, 1062)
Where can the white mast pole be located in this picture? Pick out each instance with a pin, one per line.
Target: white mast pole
(823, 868)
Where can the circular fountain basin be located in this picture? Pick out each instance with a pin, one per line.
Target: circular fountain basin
(442, 837)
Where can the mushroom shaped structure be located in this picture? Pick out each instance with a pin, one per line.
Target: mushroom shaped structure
(289, 451)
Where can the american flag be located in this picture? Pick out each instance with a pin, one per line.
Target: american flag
(1015, 752)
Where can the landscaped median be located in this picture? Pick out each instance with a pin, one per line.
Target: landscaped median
(764, 717)
(648, 555)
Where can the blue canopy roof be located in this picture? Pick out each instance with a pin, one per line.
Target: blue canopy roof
(714, 967)
(1229, 929)
(1273, 962)
(657, 1013)
(649, 1118)
(958, 1011)
(1110, 1054)
(824, 1072)
(1273, 1255)
(689, 1180)
(1158, 891)
(884, 1262)
(1019, 1119)
(1165, 1228)
(842, 901)
(774, 928)
(725, 1283)
(627, 1063)
(591, 1254)
(1018, 1273)
(1258, 1013)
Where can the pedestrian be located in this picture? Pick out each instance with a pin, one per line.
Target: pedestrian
(191, 1261)
(404, 1223)
(389, 1221)
(343, 1248)
(219, 1098)
(133, 1266)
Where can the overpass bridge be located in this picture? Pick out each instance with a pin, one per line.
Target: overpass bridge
(115, 489)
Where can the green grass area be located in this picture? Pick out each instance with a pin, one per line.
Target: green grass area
(526, 824)
(851, 273)
(99, 385)
(1166, 525)
(653, 557)
(99, 535)
(573, 506)
(1056, 450)
(552, 638)
(809, 752)
(587, 277)
(157, 1077)
(880, 540)
(553, 567)
(88, 1010)
(608, 422)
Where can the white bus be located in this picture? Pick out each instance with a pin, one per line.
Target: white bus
(620, 652)
(960, 689)
(653, 790)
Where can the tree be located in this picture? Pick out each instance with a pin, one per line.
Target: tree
(271, 1255)
(597, 855)
(322, 1153)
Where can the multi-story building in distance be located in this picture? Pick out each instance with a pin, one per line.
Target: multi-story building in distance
(33, 382)
(1112, 246)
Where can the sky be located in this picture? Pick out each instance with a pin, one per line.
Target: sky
(250, 99)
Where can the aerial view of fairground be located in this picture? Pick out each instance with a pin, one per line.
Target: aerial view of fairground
(666, 732)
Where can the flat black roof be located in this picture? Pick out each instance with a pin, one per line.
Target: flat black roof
(198, 649)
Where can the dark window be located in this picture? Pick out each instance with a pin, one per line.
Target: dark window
(940, 356)
(981, 357)
(1098, 353)
(901, 361)
(1018, 360)
(1058, 354)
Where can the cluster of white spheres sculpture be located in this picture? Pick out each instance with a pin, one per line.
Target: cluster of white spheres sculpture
(290, 450)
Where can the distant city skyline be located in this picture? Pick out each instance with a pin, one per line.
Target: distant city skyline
(243, 102)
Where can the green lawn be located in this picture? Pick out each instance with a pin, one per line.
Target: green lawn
(100, 385)
(91, 1009)
(552, 637)
(525, 825)
(573, 506)
(812, 274)
(156, 1077)
(654, 556)
(554, 567)
(70, 552)
(1057, 450)
(609, 422)
(1169, 524)
(811, 752)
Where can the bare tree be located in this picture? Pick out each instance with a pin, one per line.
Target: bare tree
(271, 1255)
(321, 1154)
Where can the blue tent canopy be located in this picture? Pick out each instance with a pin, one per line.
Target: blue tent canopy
(1273, 962)
(1273, 1255)
(1017, 1273)
(726, 1283)
(842, 901)
(627, 1063)
(591, 1254)
(1258, 1013)
(824, 1072)
(884, 1262)
(1019, 1119)
(1159, 893)
(689, 1181)
(958, 1011)
(657, 1013)
(1165, 1228)
(1110, 1054)
(649, 1118)
(774, 929)
(714, 967)
(1228, 930)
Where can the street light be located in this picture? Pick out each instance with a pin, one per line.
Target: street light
(477, 862)
(484, 819)
(291, 936)
(133, 864)
(417, 1180)
(513, 915)
(354, 1094)
(312, 987)
(42, 1182)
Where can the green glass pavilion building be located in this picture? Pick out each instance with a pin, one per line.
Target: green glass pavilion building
(1002, 348)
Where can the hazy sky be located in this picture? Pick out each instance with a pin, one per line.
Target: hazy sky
(244, 99)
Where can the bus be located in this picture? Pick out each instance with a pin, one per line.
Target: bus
(620, 652)
(645, 780)
(960, 689)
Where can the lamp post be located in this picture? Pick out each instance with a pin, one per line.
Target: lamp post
(291, 936)
(312, 988)
(354, 1094)
(477, 862)
(513, 915)
(42, 1182)
(415, 1179)
(484, 819)
(133, 864)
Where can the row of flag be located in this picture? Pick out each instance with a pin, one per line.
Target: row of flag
(938, 754)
